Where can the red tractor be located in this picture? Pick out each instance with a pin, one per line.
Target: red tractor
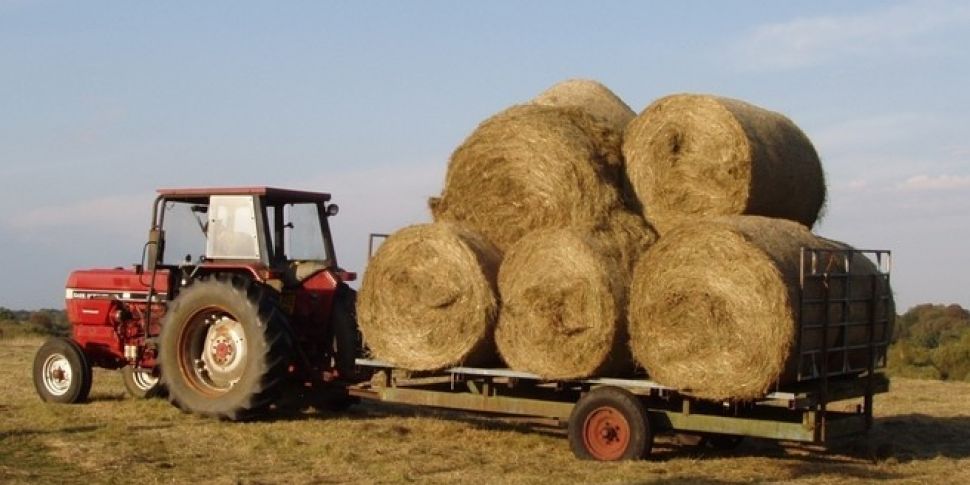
(260, 311)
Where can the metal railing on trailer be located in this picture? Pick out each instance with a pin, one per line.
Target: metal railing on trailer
(607, 416)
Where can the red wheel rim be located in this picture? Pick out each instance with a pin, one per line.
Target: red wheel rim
(606, 434)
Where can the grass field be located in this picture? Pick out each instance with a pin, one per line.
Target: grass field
(922, 435)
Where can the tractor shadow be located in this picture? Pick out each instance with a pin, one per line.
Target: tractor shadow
(371, 411)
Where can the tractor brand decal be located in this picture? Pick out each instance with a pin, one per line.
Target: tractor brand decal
(79, 294)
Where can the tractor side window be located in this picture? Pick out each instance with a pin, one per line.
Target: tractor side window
(304, 237)
(232, 228)
(183, 233)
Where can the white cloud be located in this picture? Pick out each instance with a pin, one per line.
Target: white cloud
(815, 40)
(938, 182)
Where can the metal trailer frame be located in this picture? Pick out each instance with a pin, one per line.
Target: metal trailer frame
(797, 412)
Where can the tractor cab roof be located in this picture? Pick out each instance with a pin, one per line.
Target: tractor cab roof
(272, 194)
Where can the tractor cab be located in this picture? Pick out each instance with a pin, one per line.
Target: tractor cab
(278, 236)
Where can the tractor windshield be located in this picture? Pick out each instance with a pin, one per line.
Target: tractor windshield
(185, 231)
(298, 234)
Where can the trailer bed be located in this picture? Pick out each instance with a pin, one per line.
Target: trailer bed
(797, 413)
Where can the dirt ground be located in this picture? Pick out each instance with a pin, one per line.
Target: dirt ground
(922, 434)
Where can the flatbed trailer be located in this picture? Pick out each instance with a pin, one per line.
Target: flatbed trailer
(609, 419)
(617, 418)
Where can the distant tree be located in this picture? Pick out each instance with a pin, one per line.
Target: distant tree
(932, 341)
(7, 314)
(42, 321)
(953, 358)
(932, 325)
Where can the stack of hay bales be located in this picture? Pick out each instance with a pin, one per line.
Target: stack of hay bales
(714, 305)
(543, 249)
(543, 182)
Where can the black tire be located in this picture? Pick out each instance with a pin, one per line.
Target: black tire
(609, 424)
(225, 348)
(141, 383)
(62, 373)
(346, 337)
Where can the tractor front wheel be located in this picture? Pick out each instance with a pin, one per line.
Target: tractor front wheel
(62, 373)
(141, 383)
(225, 349)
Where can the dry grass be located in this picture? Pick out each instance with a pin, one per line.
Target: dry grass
(922, 435)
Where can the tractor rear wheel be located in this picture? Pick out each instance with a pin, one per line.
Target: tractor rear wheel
(609, 424)
(225, 349)
(141, 383)
(62, 373)
(346, 337)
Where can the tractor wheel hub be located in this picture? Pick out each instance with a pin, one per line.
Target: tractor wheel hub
(224, 352)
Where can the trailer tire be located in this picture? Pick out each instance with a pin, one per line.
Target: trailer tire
(141, 383)
(62, 373)
(609, 424)
(225, 348)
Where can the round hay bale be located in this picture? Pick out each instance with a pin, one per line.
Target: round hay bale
(428, 298)
(591, 96)
(563, 306)
(714, 306)
(532, 167)
(699, 155)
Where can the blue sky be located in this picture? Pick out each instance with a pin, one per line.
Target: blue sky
(103, 102)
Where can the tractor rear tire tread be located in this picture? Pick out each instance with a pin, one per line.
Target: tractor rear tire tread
(272, 348)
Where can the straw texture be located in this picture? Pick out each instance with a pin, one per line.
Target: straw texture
(428, 299)
(696, 155)
(592, 96)
(714, 306)
(533, 167)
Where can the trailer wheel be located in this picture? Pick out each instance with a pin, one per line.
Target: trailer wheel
(62, 373)
(141, 383)
(609, 424)
(225, 349)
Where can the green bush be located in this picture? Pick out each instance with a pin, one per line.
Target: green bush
(931, 342)
(14, 324)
